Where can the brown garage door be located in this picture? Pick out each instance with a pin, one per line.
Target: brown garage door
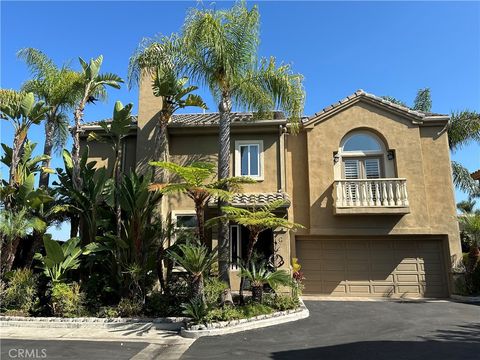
(383, 268)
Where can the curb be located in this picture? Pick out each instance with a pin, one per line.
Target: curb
(169, 323)
(234, 326)
(466, 299)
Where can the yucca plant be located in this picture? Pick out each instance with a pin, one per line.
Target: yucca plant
(259, 275)
(197, 260)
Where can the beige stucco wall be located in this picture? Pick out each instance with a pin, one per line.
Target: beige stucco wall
(422, 157)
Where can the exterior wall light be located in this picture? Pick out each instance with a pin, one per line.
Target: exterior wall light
(390, 154)
(336, 157)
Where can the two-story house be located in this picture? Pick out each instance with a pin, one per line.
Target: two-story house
(370, 181)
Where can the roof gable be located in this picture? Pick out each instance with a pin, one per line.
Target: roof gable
(416, 117)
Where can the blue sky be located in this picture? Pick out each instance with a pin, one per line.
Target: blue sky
(386, 48)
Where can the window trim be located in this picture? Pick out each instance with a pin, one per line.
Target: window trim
(176, 213)
(238, 160)
(364, 152)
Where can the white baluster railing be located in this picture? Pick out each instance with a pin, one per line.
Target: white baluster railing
(371, 193)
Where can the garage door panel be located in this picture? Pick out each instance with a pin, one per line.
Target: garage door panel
(373, 267)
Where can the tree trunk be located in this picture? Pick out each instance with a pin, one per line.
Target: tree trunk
(224, 108)
(251, 244)
(257, 294)
(18, 146)
(118, 181)
(200, 212)
(47, 150)
(36, 244)
(197, 287)
(8, 255)
(74, 225)
(78, 115)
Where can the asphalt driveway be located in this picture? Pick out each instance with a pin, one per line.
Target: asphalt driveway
(358, 331)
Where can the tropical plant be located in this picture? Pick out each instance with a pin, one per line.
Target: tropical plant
(423, 100)
(15, 226)
(22, 111)
(256, 221)
(221, 48)
(57, 88)
(196, 309)
(196, 182)
(259, 275)
(115, 133)
(471, 225)
(66, 300)
(466, 206)
(197, 260)
(163, 60)
(91, 84)
(84, 204)
(60, 259)
(21, 292)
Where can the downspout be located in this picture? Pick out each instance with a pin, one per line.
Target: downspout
(281, 154)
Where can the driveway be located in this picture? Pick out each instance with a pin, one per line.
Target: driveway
(358, 331)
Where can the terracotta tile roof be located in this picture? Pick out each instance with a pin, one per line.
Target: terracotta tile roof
(200, 119)
(360, 93)
(476, 175)
(256, 199)
(209, 119)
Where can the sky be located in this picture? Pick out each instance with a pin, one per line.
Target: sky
(385, 48)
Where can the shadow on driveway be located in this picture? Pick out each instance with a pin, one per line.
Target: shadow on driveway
(398, 350)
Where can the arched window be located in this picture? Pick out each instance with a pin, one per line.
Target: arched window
(363, 156)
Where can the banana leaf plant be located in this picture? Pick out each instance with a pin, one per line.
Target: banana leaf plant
(60, 259)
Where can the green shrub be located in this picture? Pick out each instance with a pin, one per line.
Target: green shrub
(226, 313)
(255, 309)
(213, 289)
(476, 280)
(108, 312)
(66, 300)
(129, 307)
(161, 305)
(281, 302)
(195, 309)
(20, 294)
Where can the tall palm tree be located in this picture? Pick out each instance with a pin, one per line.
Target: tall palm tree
(22, 111)
(163, 59)
(91, 84)
(56, 87)
(222, 54)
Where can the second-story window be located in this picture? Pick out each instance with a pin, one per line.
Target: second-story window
(249, 159)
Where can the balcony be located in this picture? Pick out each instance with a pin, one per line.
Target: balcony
(371, 196)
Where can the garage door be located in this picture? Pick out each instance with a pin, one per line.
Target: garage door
(383, 268)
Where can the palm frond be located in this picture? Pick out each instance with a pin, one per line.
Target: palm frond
(463, 180)
(463, 128)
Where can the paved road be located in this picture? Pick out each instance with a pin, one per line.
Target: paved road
(358, 331)
(65, 349)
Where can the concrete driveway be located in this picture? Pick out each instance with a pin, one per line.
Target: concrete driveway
(358, 331)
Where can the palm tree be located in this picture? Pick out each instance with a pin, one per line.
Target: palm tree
(195, 184)
(423, 100)
(256, 221)
(466, 206)
(56, 87)
(222, 54)
(115, 133)
(163, 60)
(14, 226)
(260, 276)
(22, 111)
(197, 260)
(91, 84)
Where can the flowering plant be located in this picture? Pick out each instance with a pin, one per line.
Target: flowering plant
(298, 277)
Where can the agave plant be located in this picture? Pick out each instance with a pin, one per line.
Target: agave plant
(259, 275)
